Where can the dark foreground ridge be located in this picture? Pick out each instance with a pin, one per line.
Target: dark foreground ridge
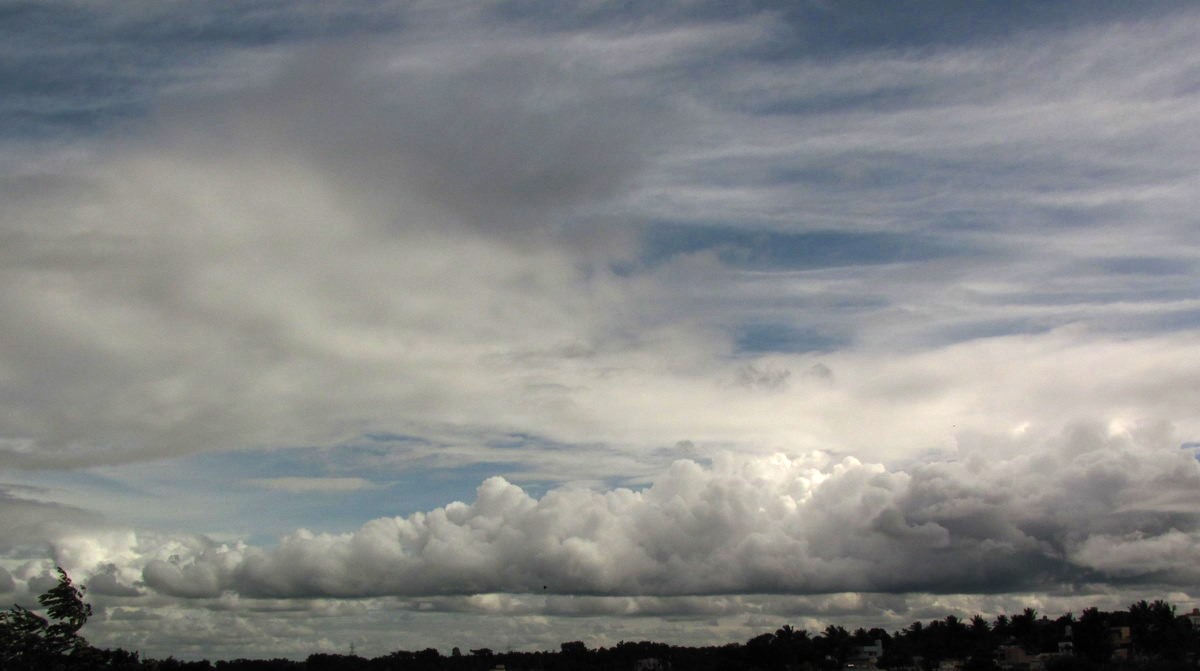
(1149, 636)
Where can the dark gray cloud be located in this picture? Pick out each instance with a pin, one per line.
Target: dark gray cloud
(106, 581)
(31, 524)
(499, 140)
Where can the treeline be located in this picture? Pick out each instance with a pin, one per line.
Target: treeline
(1149, 636)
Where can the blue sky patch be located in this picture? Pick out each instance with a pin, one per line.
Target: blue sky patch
(771, 250)
(761, 338)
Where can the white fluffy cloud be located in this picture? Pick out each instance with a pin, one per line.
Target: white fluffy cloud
(820, 538)
(1070, 511)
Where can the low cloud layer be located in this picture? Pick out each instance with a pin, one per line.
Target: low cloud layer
(1089, 515)
(1089, 506)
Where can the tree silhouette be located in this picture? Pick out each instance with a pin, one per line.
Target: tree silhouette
(1090, 635)
(1002, 629)
(1155, 628)
(30, 641)
(1024, 628)
(50, 641)
(792, 645)
(834, 646)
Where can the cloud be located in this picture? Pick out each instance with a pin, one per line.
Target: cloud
(755, 525)
(1141, 555)
(106, 581)
(300, 484)
(373, 239)
(350, 234)
(1093, 515)
(30, 523)
(579, 246)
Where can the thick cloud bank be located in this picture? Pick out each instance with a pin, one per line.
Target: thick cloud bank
(210, 287)
(1090, 505)
(601, 240)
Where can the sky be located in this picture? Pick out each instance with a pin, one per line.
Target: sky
(512, 322)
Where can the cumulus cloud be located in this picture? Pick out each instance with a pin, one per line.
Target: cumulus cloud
(106, 580)
(1062, 513)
